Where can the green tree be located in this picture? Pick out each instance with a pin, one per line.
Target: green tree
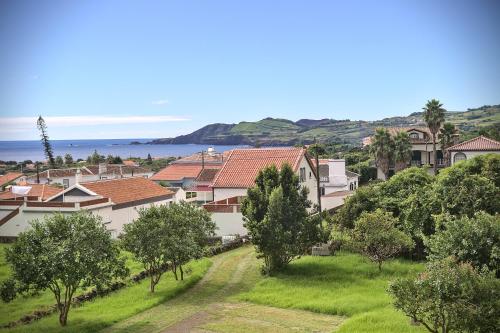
(59, 161)
(276, 217)
(95, 158)
(68, 159)
(460, 193)
(186, 228)
(446, 139)
(145, 239)
(474, 240)
(402, 151)
(366, 198)
(47, 147)
(376, 237)
(434, 117)
(63, 253)
(450, 297)
(149, 159)
(382, 148)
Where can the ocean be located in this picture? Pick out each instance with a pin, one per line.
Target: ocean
(32, 150)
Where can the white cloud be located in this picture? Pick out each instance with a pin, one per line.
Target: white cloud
(30, 122)
(160, 102)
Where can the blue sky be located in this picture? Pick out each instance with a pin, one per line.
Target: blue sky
(132, 69)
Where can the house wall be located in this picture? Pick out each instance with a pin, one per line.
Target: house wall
(471, 154)
(224, 193)
(310, 181)
(229, 224)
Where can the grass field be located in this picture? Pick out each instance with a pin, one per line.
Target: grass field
(346, 284)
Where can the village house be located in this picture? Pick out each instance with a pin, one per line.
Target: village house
(9, 178)
(67, 177)
(37, 192)
(468, 149)
(116, 201)
(184, 171)
(421, 146)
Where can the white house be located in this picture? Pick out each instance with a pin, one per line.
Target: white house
(68, 177)
(117, 201)
(334, 177)
(468, 149)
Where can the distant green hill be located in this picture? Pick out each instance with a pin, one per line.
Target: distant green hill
(273, 131)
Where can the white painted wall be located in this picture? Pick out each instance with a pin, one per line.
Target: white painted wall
(310, 181)
(229, 224)
(471, 154)
(222, 193)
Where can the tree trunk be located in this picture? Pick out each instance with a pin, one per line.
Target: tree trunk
(152, 286)
(63, 314)
(174, 270)
(435, 152)
(182, 272)
(380, 266)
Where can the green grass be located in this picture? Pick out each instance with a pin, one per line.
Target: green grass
(105, 311)
(346, 284)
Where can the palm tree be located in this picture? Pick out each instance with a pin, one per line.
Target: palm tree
(446, 139)
(434, 117)
(402, 151)
(381, 148)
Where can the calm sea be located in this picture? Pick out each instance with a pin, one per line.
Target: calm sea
(32, 150)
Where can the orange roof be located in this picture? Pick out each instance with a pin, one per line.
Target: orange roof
(179, 171)
(8, 177)
(43, 191)
(129, 163)
(127, 189)
(480, 143)
(243, 165)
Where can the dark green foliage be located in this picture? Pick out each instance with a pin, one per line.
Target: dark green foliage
(434, 117)
(59, 161)
(63, 253)
(450, 297)
(473, 240)
(402, 150)
(68, 159)
(382, 148)
(365, 199)
(376, 237)
(47, 147)
(114, 159)
(95, 158)
(276, 217)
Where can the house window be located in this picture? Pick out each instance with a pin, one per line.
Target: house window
(459, 157)
(351, 187)
(65, 183)
(310, 174)
(302, 176)
(104, 177)
(413, 135)
(322, 191)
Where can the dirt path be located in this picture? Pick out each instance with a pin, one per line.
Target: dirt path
(207, 306)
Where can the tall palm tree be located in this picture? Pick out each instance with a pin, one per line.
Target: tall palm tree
(402, 151)
(434, 117)
(446, 139)
(381, 148)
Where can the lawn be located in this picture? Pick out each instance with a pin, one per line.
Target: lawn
(101, 312)
(346, 284)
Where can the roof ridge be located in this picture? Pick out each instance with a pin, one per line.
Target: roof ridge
(475, 139)
(223, 167)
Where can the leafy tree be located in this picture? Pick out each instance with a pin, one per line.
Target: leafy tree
(59, 161)
(377, 238)
(487, 166)
(68, 159)
(114, 159)
(365, 198)
(450, 297)
(47, 147)
(145, 239)
(63, 253)
(149, 159)
(459, 193)
(434, 117)
(276, 217)
(95, 158)
(382, 148)
(186, 228)
(402, 150)
(446, 139)
(474, 240)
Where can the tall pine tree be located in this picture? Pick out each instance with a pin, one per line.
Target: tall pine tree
(49, 154)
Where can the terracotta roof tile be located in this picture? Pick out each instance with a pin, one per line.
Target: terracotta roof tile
(52, 173)
(118, 169)
(43, 191)
(127, 189)
(207, 175)
(243, 165)
(480, 143)
(8, 177)
(179, 171)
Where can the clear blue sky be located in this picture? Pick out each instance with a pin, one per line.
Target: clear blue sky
(178, 65)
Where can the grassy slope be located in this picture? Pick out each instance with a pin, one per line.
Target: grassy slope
(105, 311)
(345, 285)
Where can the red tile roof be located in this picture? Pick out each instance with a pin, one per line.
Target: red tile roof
(127, 189)
(179, 171)
(243, 165)
(8, 177)
(43, 191)
(480, 143)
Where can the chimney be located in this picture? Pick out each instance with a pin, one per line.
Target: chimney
(102, 168)
(336, 171)
(78, 176)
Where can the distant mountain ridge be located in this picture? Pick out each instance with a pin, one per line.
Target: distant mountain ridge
(284, 132)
